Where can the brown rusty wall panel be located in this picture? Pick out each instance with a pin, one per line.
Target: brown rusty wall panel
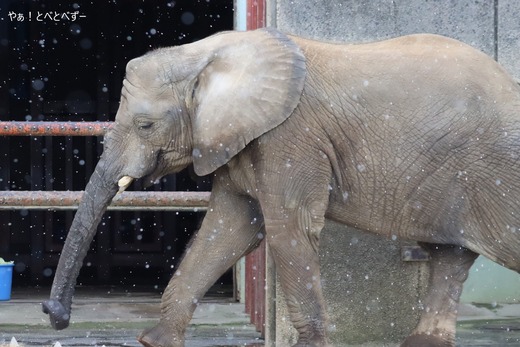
(255, 262)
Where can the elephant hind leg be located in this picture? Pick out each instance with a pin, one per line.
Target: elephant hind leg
(448, 270)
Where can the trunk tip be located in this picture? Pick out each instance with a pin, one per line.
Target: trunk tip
(58, 315)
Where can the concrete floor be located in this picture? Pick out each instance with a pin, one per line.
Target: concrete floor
(115, 316)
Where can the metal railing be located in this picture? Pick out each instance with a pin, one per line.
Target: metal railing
(126, 201)
(69, 200)
(12, 128)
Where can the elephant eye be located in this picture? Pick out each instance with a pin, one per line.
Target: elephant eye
(144, 124)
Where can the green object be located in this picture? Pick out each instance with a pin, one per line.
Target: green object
(3, 262)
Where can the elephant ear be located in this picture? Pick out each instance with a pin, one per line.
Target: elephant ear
(251, 83)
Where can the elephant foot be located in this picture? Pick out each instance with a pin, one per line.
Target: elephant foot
(425, 340)
(312, 343)
(161, 335)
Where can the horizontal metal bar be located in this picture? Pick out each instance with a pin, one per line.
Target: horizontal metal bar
(13, 128)
(69, 200)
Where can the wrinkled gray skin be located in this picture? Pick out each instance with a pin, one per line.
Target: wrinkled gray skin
(417, 136)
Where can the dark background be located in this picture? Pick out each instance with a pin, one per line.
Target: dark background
(73, 71)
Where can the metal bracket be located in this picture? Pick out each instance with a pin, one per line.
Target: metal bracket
(414, 253)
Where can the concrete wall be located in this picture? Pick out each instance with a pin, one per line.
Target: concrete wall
(361, 21)
(508, 35)
(490, 25)
(371, 293)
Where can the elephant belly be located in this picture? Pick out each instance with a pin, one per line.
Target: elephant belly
(430, 212)
(477, 213)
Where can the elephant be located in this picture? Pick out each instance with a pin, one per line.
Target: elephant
(416, 137)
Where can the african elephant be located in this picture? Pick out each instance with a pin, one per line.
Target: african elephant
(417, 136)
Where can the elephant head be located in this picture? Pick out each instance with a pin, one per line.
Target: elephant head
(200, 103)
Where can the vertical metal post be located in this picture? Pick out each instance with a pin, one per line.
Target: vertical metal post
(49, 219)
(36, 170)
(104, 235)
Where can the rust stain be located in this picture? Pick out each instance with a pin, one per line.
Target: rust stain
(13, 128)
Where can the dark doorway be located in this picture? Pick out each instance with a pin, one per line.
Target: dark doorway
(56, 67)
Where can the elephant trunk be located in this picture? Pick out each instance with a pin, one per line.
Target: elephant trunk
(99, 192)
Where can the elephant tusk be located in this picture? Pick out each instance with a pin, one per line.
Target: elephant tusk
(124, 182)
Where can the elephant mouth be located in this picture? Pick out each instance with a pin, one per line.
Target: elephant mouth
(160, 170)
(124, 182)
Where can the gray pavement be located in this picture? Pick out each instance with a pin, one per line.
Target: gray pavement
(115, 316)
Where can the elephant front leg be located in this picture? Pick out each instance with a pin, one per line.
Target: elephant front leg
(448, 270)
(232, 227)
